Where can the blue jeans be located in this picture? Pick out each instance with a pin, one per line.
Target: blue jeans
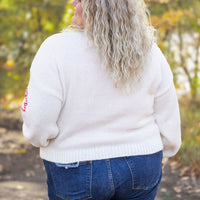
(123, 178)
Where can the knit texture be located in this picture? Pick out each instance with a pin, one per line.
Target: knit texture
(73, 112)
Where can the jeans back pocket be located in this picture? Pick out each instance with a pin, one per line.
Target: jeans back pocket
(72, 183)
(146, 170)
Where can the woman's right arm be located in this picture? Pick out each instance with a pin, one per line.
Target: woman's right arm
(166, 111)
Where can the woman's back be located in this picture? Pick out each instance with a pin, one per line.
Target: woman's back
(96, 120)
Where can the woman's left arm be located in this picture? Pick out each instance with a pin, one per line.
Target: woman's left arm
(43, 99)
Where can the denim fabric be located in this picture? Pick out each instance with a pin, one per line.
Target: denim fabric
(123, 178)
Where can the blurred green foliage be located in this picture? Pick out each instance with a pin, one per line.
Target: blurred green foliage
(24, 26)
(180, 18)
(189, 153)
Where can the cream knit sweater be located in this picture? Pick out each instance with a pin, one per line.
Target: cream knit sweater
(72, 111)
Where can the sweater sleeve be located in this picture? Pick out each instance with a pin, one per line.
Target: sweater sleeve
(166, 111)
(43, 99)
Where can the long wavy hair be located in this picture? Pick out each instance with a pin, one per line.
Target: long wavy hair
(122, 33)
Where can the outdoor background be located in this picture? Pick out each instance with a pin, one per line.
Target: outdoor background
(25, 24)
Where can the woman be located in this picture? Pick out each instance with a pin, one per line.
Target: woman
(102, 106)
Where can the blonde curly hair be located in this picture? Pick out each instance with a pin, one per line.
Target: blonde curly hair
(122, 33)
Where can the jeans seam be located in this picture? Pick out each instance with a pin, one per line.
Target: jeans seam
(69, 199)
(52, 176)
(91, 172)
(132, 176)
(53, 179)
(110, 176)
(151, 186)
(56, 187)
(142, 188)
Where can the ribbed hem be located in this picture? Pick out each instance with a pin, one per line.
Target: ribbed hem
(99, 152)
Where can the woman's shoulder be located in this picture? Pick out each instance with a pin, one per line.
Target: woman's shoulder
(161, 61)
(157, 52)
(63, 37)
(67, 38)
(155, 48)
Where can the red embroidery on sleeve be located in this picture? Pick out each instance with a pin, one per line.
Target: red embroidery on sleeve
(25, 102)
